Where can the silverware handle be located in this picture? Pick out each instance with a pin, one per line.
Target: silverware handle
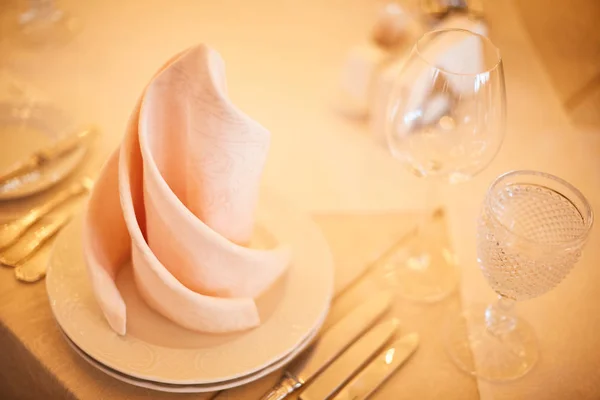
(36, 213)
(287, 385)
(46, 232)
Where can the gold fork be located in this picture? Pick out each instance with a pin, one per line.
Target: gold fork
(11, 231)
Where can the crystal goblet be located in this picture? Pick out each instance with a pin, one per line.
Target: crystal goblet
(531, 231)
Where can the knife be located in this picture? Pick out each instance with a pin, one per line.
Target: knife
(380, 369)
(48, 154)
(342, 369)
(326, 349)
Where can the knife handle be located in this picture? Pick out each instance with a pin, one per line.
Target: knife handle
(287, 385)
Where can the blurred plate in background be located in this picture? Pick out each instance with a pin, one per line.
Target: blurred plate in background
(24, 129)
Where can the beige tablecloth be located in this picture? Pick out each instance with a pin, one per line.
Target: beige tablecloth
(43, 366)
(283, 60)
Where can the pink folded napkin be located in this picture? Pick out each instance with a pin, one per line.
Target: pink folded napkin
(178, 198)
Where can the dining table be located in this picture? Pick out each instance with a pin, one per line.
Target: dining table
(283, 61)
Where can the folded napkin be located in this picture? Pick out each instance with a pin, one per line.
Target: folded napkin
(179, 198)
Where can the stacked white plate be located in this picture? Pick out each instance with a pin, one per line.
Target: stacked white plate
(158, 354)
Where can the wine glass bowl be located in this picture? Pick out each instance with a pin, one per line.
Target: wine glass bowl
(530, 233)
(446, 112)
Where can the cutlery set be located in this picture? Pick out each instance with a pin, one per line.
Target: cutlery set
(351, 359)
(22, 238)
(342, 369)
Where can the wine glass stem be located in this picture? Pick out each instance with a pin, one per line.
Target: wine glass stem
(435, 209)
(500, 317)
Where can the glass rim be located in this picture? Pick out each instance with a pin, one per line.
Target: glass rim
(586, 213)
(485, 39)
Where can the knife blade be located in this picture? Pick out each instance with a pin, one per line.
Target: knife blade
(363, 385)
(48, 154)
(331, 344)
(343, 368)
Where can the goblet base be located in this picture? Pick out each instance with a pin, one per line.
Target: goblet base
(423, 273)
(492, 357)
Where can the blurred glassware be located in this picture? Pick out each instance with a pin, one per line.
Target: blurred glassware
(29, 126)
(393, 31)
(532, 229)
(445, 119)
(439, 9)
(446, 114)
(44, 24)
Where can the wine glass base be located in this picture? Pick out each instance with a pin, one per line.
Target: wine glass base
(424, 275)
(478, 352)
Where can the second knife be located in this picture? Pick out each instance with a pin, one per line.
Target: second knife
(333, 342)
(363, 385)
(359, 354)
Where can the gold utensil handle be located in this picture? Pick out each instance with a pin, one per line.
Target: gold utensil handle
(18, 254)
(286, 386)
(74, 190)
(12, 231)
(45, 233)
(33, 270)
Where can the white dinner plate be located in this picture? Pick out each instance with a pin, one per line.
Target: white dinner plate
(155, 349)
(24, 129)
(201, 388)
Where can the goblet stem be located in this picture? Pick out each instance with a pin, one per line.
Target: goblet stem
(500, 318)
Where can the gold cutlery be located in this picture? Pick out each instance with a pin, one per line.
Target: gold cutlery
(366, 382)
(53, 152)
(15, 255)
(330, 345)
(351, 361)
(10, 232)
(35, 267)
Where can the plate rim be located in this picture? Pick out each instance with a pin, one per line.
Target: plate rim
(196, 388)
(314, 238)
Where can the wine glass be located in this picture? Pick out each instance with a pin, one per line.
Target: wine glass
(531, 232)
(44, 24)
(445, 120)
